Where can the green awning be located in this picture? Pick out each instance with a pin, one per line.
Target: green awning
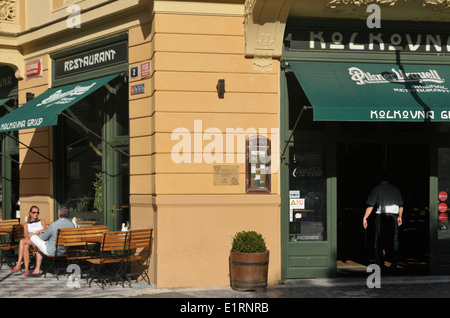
(375, 92)
(44, 110)
(4, 100)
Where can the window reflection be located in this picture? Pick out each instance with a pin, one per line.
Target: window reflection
(90, 163)
(307, 194)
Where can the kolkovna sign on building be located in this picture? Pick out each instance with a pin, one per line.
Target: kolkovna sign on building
(372, 92)
(375, 92)
(319, 39)
(98, 58)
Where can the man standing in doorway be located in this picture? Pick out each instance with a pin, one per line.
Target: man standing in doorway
(388, 200)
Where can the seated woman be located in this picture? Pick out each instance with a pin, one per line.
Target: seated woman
(33, 225)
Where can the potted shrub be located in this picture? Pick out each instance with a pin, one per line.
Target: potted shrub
(249, 262)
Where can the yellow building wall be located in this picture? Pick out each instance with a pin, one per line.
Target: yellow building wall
(36, 172)
(141, 111)
(195, 220)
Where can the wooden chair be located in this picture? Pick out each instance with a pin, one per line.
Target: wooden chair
(9, 222)
(12, 232)
(112, 261)
(82, 244)
(20, 234)
(76, 247)
(6, 226)
(141, 242)
(52, 260)
(78, 241)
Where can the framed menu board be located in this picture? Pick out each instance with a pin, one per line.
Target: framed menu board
(258, 164)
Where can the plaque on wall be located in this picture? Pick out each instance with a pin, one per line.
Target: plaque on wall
(226, 175)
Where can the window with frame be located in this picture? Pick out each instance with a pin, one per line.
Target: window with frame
(91, 175)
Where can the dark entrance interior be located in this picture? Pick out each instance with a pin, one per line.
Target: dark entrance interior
(358, 166)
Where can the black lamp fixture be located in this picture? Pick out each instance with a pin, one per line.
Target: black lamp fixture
(220, 87)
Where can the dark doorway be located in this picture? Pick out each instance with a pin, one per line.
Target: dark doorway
(358, 165)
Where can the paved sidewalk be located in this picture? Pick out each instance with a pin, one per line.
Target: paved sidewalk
(15, 285)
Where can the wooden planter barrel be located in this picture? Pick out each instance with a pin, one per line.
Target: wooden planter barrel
(248, 271)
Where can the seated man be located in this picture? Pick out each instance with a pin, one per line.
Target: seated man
(45, 242)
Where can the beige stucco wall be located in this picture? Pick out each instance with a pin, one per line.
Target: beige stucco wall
(194, 220)
(36, 172)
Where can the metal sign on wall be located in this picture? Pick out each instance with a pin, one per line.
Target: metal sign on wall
(34, 68)
(98, 58)
(364, 40)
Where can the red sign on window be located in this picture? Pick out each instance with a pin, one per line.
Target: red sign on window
(443, 196)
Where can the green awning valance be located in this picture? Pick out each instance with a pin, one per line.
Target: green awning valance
(375, 92)
(44, 110)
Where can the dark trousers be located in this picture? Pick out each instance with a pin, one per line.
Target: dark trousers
(386, 236)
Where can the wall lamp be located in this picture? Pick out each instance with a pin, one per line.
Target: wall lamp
(220, 87)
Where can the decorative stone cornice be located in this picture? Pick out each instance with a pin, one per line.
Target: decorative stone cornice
(264, 24)
(333, 4)
(439, 5)
(8, 10)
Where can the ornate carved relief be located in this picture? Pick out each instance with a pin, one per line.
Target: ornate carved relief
(264, 23)
(439, 5)
(336, 3)
(7, 10)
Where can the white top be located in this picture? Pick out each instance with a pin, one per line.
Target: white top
(35, 226)
(387, 197)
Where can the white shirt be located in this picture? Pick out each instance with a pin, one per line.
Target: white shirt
(387, 197)
(33, 227)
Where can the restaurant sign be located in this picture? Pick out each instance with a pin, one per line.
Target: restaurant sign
(319, 39)
(95, 59)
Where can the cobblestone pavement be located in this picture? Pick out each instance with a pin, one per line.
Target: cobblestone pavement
(15, 285)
